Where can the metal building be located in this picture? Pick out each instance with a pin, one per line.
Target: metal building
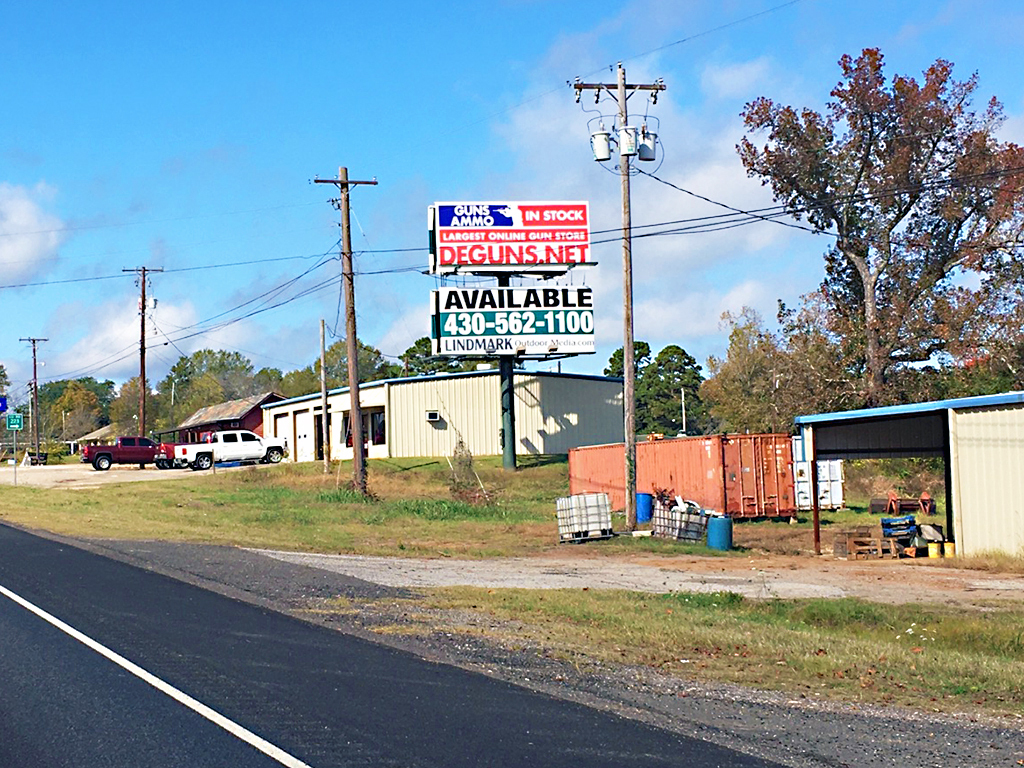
(981, 440)
(427, 415)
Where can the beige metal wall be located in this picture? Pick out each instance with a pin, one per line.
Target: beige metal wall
(987, 456)
(469, 406)
(554, 414)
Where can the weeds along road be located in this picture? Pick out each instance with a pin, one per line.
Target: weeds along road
(309, 696)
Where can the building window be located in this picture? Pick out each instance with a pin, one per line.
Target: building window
(377, 429)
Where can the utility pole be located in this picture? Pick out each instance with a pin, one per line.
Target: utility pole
(348, 282)
(622, 91)
(35, 393)
(142, 272)
(325, 427)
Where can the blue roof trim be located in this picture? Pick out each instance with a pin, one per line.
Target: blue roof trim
(461, 375)
(959, 403)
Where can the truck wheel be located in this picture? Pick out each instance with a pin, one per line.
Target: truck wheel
(274, 455)
(203, 461)
(102, 463)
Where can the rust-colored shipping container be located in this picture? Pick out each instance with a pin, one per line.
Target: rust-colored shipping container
(744, 475)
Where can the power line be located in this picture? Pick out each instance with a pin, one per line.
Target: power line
(87, 227)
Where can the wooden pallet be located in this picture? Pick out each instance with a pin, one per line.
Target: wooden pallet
(872, 547)
(864, 543)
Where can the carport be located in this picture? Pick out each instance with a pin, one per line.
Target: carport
(980, 440)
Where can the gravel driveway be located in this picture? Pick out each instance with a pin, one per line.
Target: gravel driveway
(84, 476)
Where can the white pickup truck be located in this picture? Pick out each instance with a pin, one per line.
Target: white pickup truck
(229, 445)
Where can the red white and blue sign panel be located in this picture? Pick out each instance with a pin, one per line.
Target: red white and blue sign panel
(511, 237)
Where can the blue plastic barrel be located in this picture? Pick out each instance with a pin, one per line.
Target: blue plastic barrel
(720, 532)
(644, 504)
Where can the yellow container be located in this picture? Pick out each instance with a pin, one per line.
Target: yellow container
(934, 549)
(949, 549)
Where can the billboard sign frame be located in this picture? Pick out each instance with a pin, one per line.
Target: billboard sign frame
(525, 237)
(504, 321)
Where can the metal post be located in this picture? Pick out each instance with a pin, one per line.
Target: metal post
(815, 504)
(506, 375)
(682, 397)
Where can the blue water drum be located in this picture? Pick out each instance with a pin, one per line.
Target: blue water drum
(644, 505)
(720, 532)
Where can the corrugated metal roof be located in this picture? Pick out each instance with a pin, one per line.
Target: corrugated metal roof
(232, 410)
(103, 433)
(437, 377)
(956, 404)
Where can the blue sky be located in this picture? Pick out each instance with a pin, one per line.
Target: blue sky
(184, 137)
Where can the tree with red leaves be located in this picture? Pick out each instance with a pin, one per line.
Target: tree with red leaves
(917, 192)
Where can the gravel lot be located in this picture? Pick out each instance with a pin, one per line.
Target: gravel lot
(79, 475)
(800, 732)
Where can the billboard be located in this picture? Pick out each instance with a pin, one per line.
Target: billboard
(512, 321)
(548, 238)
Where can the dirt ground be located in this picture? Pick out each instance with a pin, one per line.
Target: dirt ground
(759, 577)
(586, 566)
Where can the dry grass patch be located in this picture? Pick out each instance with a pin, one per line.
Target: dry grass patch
(932, 658)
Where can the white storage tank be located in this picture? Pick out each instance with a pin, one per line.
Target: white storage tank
(830, 480)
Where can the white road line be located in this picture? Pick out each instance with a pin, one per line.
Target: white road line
(212, 715)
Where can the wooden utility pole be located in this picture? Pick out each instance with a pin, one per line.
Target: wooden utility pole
(142, 272)
(348, 282)
(325, 427)
(35, 394)
(621, 90)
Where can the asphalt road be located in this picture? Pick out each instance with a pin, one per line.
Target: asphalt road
(323, 697)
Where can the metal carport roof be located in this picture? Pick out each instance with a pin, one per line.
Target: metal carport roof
(914, 429)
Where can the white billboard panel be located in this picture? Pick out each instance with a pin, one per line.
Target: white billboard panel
(518, 237)
(513, 321)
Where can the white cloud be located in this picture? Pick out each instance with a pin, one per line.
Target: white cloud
(405, 329)
(29, 236)
(735, 81)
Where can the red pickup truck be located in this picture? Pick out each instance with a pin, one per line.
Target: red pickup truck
(127, 450)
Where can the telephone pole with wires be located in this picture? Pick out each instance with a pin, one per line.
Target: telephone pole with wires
(35, 392)
(142, 272)
(628, 140)
(343, 183)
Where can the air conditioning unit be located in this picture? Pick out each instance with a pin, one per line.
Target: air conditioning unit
(433, 415)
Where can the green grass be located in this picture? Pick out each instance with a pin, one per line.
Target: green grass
(931, 657)
(410, 510)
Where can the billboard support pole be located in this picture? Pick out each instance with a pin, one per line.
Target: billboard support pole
(506, 375)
